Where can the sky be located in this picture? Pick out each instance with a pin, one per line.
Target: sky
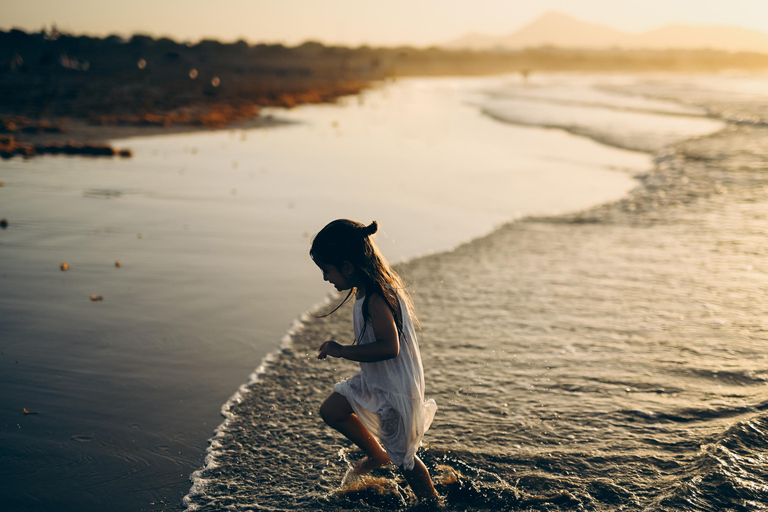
(357, 22)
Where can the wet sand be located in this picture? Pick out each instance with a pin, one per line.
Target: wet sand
(212, 231)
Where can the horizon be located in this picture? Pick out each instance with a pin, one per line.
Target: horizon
(429, 23)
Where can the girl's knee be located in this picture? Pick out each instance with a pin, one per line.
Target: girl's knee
(326, 413)
(335, 409)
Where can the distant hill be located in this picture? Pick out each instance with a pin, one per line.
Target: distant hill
(561, 30)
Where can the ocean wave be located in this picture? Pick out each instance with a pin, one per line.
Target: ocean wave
(738, 100)
(633, 130)
(729, 473)
(691, 414)
(592, 98)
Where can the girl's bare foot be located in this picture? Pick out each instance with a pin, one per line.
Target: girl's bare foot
(368, 464)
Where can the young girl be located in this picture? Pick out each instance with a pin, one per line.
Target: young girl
(385, 399)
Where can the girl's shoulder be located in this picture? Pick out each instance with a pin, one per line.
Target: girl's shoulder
(380, 306)
(371, 301)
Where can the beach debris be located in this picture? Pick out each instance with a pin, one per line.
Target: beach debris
(102, 193)
(3, 223)
(214, 115)
(2, 183)
(10, 147)
(26, 411)
(118, 264)
(96, 298)
(15, 124)
(64, 267)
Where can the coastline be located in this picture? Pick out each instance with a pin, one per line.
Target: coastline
(197, 292)
(627, 247)
(606, 277)
(305, 328)
(112, 88)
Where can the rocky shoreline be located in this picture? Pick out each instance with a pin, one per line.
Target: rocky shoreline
(58, 88)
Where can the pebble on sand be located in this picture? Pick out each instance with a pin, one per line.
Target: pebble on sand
(3, 223)
(118, 264)
(95, 298)
(64, 266)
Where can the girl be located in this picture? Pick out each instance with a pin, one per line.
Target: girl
(385, 399)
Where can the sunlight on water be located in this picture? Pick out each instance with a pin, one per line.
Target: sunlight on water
(606, 360)
(212, 231)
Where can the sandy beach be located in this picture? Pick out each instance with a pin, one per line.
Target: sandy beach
(574, 193)
(211, 229)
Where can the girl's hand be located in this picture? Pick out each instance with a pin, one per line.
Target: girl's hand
(329, 348)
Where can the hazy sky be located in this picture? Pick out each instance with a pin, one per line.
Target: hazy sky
(355, 22)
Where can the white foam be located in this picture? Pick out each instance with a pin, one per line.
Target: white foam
(631, 129)
(216, 443)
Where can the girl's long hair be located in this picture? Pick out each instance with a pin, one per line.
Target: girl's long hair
(346, 240)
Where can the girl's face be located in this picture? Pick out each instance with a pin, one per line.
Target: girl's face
(335, 276)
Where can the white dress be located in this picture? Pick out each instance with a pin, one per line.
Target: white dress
(388, 396)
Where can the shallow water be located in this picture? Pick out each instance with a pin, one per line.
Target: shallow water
(212, 232)
(611, 359)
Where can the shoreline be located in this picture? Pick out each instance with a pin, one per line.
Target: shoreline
(110, 88)
(127, 226)
(84, 132)
(465, 247)
(293, 338)
(80, 131)
(554, 261)
(83, 138)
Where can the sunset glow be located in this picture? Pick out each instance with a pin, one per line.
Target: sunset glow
(350, 22)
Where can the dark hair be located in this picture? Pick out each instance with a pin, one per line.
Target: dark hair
(346, 240)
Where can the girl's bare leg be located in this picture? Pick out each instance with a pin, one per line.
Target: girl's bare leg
(419, 480)
(338, 414)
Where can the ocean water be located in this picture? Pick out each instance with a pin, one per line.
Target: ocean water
(212, 232)
(607, 359)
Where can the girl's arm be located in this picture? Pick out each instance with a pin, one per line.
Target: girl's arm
(386, 346)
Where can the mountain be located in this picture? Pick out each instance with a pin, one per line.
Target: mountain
(561, 30)
(557, 29)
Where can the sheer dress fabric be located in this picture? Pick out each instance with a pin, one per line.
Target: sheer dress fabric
(388, 396)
